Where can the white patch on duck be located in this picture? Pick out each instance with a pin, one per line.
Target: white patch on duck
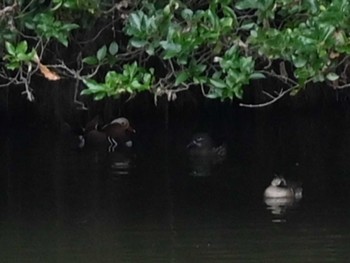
(279, 188)
(122, 121)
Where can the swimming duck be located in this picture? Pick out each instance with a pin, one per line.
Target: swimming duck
(116, 133)
(203, 155)
(279, 188)
(202, 145)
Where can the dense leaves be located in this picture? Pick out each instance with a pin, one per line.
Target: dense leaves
(218, 46)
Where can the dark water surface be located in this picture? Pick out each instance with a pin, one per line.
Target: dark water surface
(60, 204)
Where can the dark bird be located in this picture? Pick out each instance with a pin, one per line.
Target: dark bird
(204, 155)
(202, 145)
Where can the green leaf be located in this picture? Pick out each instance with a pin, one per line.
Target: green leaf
(170, 46)
(247, 4)
(13, 65)
(295, 91)
(30, 25)
(63, 41)
(135, 84)
(182, 60)
(93, 85)
(135, 20)
(99, 96)
(200, 80)
(86, 92)
(10, 48)
(218, 83)
(147, 78)
(23, 57)
(181, 78)
(101, 53)
(257, 75)
(312, 5)
(197, 69)
(332, 76)
(91, 60)
(318, 78)
(247, 26)
(150, 50)
(22, 47)
(31, 55)
(229, 12)
(238, 92)
(226, 22)
(138, 43)
(212, 95)
(187, 14)
(113, 48)
(69, 27)
(299, 62)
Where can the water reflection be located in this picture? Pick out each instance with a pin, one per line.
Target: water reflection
(59, 204)
(280, 206)
(120, 163)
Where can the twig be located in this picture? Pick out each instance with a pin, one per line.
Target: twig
(76, 101)
(260, 105)
(8, 9)
(268, 94)
(118, 6)
(342, 86)
(284, 79)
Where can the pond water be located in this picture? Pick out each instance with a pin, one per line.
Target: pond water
(61, 204)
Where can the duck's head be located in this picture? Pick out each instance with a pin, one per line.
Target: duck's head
(279, 181)
(200, 141)
(124, 123)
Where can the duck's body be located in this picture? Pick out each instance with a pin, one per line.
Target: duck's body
(279, 188)
(112, 135)
(202, 145)
(203, 155)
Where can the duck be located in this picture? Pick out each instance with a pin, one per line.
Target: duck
(280, 188)
(202, 145)
(204, 155)
(113, 134)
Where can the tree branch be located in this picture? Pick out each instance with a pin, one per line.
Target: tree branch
(260, 105)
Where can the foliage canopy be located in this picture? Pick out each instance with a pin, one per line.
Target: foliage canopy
(218, 46)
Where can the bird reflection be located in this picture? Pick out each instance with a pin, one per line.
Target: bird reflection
(281, 195)
(119, 163)
(204, 155)
(279, 206)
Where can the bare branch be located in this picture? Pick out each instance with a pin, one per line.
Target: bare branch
(118, 6)
(8, 9)
(268, 94)
(260, 105)
(342, 86)
(76, 93)
(284, 79)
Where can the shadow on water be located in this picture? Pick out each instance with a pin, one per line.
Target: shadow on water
(60, 204)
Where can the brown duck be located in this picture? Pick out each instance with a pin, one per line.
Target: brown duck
(112, 135)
